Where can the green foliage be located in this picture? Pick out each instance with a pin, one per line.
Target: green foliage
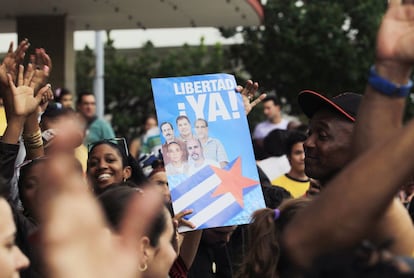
(128, 95)
(325, 45)
(85, 70)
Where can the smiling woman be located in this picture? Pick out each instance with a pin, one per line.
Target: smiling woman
(109, 163)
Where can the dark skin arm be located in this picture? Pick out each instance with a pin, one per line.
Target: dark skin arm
(370, 182)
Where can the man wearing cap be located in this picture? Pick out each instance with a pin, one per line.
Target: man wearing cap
(360, 202)
(328, 147)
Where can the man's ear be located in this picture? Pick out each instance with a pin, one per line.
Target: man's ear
(127, 172)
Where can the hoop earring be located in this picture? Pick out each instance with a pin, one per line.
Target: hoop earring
(142, 269)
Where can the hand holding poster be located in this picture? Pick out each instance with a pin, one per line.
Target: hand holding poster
(207, 149)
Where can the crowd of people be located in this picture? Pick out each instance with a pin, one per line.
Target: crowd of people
(74, 202)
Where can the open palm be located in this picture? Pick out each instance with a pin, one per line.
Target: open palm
(23, 96)
(395, 38)
(11, 60)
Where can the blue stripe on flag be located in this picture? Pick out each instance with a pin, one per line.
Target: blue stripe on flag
(191, 182)
(221, 218)
(202, 202)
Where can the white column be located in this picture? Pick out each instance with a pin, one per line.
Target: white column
(99, 89)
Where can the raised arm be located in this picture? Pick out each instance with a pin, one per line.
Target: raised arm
(381, 115)
(23, 104)
(364, 190)
(188, 245)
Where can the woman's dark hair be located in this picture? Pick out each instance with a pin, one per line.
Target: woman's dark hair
(137, 175)
(115, 146)
(116, 199)
(264, 251)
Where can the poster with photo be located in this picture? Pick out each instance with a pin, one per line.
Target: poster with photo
(207, 149)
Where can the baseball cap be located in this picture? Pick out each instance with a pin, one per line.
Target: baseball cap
(346, 104)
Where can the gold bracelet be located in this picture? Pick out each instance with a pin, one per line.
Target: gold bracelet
(34, 145)
(33, 137)
(33, 141)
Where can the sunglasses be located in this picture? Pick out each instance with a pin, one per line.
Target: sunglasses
(118, 141)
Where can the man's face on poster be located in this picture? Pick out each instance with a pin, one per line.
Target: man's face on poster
(201, 129)
(194, 150)
(167, 132)
(184, 127)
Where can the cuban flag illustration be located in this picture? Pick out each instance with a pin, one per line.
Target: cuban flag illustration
(218, 197)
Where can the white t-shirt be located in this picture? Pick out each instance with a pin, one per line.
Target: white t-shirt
(264, 128)
(274, 166)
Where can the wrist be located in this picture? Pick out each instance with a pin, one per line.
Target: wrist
(397, 73)
(391, 82)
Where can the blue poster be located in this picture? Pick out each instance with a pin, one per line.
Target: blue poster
(207, 149)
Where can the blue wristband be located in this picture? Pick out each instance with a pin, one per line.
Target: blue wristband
(386, 87)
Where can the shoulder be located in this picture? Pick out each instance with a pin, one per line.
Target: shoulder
(279, 179)
(212, 140)
(262, 124)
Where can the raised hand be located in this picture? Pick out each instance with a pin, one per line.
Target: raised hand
(395, 39)
(76, 240)
(248, 93)
(24, 102)
(181, 221)
(11, 60)
(43, 65)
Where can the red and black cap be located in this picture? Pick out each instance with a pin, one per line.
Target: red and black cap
(346, 104)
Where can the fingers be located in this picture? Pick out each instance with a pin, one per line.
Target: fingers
(249, 90)
(187, 223)
(33, 59)
(44, 57)
(393, 2)
(28, 76)
(21, 50)
(20, 79)
(10, 50)
(11, 83)
(183, 222)
(180, 215)
(45, 94)
(258, 100)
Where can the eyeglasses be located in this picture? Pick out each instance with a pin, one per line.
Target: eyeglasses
(118, 141)
(29, 161)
